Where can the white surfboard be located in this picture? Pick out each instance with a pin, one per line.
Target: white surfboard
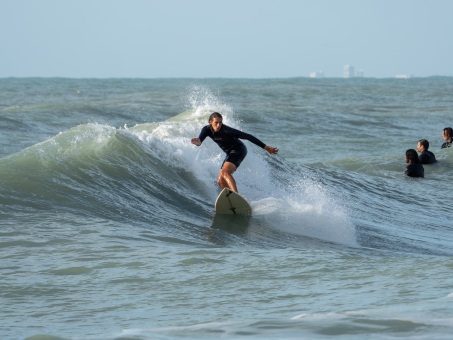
(231, 203)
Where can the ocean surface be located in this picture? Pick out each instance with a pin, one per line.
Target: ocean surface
(107, 224)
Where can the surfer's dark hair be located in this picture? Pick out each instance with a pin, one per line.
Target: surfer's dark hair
(448, 131)
(214, 115)
(412, 155)
(424, 143)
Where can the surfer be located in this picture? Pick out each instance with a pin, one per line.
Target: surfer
(447, 135)
(414, 169)
(229, 141)
(426, 157)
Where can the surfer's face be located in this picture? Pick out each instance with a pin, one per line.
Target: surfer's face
(216, 124)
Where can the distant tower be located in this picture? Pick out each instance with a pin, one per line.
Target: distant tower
(348, 71)
(317, 74)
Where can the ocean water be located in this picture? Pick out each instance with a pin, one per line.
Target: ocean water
(108, 231)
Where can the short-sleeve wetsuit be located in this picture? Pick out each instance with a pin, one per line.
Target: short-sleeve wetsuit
(229, 141)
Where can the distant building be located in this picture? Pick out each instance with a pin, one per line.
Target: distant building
(360, 73)
(317, 74)
(348, 71)
(403, 76)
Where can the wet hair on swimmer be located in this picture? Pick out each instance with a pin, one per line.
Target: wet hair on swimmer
(412, 155)
(214, 115)
(448, 132)
(424, 143)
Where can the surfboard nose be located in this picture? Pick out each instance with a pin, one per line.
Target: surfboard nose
(231, 203)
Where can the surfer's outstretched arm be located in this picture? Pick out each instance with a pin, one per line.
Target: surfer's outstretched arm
(271, 150)
(196, 141)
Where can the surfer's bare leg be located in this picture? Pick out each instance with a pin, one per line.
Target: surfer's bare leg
(226, 179)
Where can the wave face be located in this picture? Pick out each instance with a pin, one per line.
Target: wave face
(152, 174)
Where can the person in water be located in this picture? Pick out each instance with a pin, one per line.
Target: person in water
(447, 135)
(229, 141)
(426, 157)
(414, 169)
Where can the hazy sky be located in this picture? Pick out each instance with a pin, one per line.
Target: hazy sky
(224, 38)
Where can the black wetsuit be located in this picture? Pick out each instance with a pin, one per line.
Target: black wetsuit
(229, 141)
(446, 145)
(427, 157)
(415, 170)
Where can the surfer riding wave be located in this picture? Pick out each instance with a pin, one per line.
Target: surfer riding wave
(229, 140)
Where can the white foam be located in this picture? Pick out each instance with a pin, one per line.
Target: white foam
(170, 140)
(305, 208)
